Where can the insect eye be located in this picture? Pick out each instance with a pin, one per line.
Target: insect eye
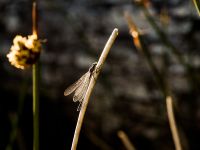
(94, 64)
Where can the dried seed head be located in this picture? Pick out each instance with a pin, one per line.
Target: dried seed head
(25, 51)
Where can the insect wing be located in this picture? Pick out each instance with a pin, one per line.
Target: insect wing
(82, 94)
(81, 90)
(74, 86)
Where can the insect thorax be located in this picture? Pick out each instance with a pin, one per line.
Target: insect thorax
(92, 67)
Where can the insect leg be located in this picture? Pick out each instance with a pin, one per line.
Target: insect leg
(96, 70)
(79, 106)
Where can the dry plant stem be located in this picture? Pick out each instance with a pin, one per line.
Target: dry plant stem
(91, 86)
(35, 90)
(194, 81)
(141, 47)
(172, 123)
(125, 140)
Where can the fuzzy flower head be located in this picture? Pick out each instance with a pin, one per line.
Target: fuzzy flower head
(25, 51)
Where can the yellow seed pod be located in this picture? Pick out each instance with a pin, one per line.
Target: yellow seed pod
(25, 51)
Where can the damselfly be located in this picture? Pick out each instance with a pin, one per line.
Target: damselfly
(80, 87)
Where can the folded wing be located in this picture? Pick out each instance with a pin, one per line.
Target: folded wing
(81, 90)
(75, 85)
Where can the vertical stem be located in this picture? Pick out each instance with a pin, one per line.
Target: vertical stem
(35, 89)
(35, 108)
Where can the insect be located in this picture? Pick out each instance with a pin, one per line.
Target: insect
(80, 86)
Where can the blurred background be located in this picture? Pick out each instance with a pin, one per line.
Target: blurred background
(126, 96)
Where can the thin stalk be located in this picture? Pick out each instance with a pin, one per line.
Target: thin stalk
(35, 75)
(172, 123)
(35, 108)
(191, 77)
(125, 140)
(197, 5)
(141, 47)
(91, 86)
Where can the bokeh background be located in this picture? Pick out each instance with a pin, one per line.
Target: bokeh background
(126, 96)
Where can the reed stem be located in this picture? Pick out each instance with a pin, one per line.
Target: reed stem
(91, 86)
